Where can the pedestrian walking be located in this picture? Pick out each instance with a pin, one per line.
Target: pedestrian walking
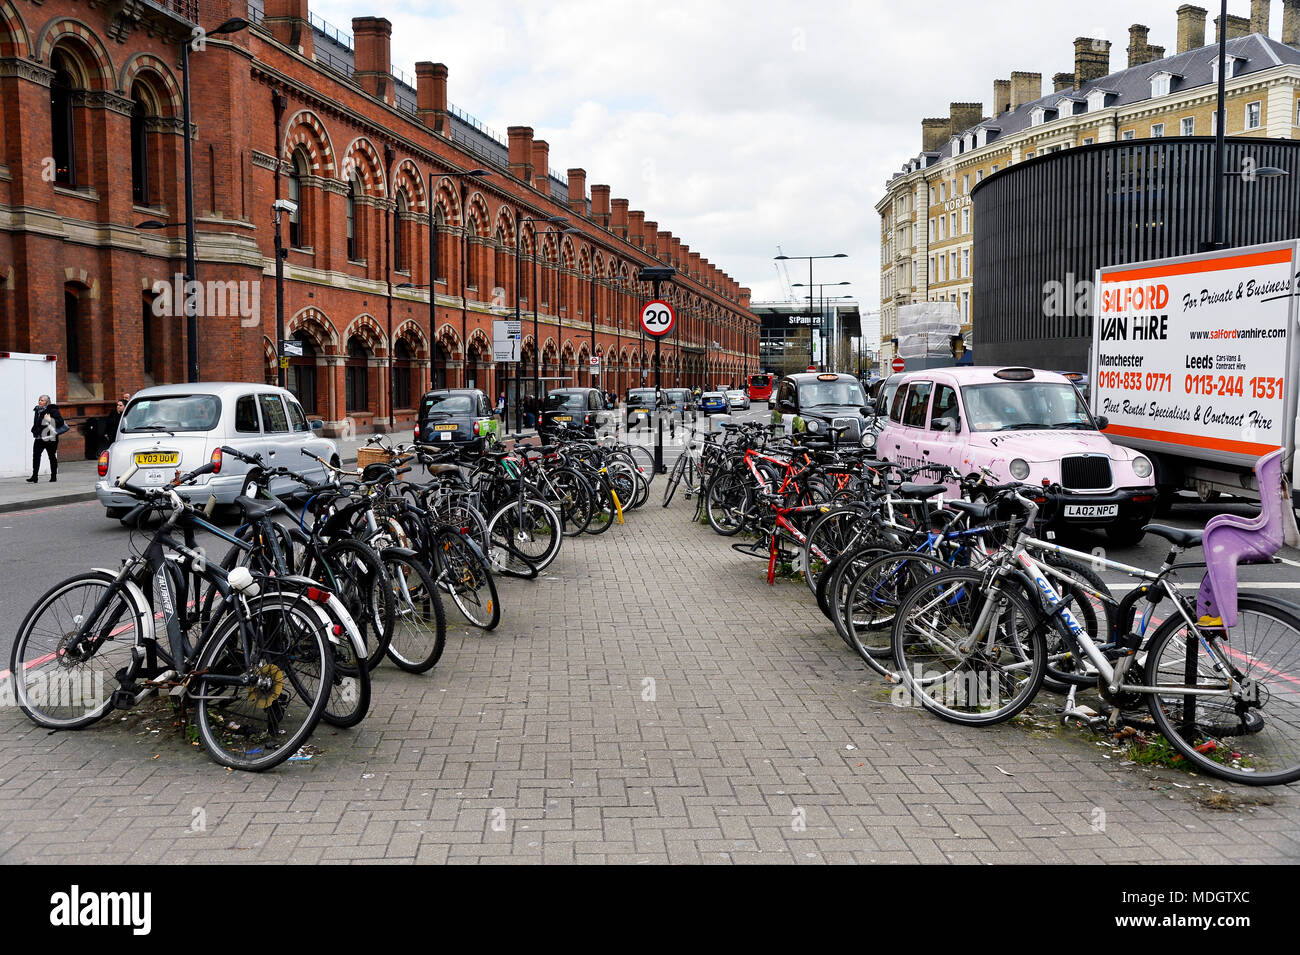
(111, 424)
(47, 425)
(501, 406)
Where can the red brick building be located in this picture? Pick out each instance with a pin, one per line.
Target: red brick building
(91, 148)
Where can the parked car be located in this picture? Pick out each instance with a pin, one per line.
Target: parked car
(738, 399)
(640, 407)
(680, 402)
(1024, 425)
(577, 406)
(456, 416)
(171, 429)
(814, 404)
(714, 402)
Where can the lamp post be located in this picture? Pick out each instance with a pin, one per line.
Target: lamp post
(537, 339)
(233, 25)
(786, 258)
(433, 263)
(821, 317)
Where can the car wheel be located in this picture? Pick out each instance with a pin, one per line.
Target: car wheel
(116, 513)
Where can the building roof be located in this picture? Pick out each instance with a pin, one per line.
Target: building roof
(1193, 68)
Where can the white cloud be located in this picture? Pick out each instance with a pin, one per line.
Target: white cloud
(741, 126)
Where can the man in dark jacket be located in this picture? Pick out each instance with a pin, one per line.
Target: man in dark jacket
(47, 425)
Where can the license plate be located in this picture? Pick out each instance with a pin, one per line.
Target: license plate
(445, 436)
(1091, 510)
(444, 427)
(563, 417)
(157, 478)
(149, 459)
(642, 411)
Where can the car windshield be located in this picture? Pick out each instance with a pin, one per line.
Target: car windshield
(172, 413)
(846, 391)
(449, 404)
(565, 401)
(642, 399)
(1025, 405)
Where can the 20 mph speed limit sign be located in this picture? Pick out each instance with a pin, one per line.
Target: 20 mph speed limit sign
(658, 318)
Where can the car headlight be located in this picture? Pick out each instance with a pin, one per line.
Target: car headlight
(1141, 467)
(868, 440)
(813, 427)
(1019, 469)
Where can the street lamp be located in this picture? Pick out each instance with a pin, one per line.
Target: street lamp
(786, 258)
(433, 265)
(537, 338)
(821, 313)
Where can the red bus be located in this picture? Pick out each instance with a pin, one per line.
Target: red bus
(760, 387)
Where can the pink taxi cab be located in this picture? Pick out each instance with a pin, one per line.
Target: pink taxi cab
(1024, 425)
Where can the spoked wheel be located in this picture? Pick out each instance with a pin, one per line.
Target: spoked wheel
(604, 513)
(420, 632)
(976, 682)
(255, 710)
(726, 503)
(530, 530)
(349, 698)
(464, 573)
(674, 479)
(573, 500)
(1246, 730)
(60, 686)
(357, 577)
(872, 601)
(827, 538)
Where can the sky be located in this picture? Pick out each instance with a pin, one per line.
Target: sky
(748, 127)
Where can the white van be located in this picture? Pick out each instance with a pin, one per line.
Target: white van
(176, 428)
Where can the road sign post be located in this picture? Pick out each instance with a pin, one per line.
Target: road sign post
(657, 320)
(897, 364)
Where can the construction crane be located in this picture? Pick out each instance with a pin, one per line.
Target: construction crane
(783, 273)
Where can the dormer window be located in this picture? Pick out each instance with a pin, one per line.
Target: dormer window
(1161, 83)
(1065, 107)
(1235, 64)
(967, 142)
(986, 134)
(1041, 114)
(1099, 99)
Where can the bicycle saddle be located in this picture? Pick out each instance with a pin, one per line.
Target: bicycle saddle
(256, 510)
(910, 489)
(1175, 535)
(443, 469)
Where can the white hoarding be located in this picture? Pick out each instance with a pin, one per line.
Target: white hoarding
(1190, 355)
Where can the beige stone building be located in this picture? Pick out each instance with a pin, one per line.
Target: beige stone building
(926, 228)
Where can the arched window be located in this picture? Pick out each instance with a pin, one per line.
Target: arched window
(302, 373)
(353, 191)
(296, 218)
(72, 331)
(62, 128)
(399, 229)
(403, 358)
(139, 148)
(444, 245)
(354, 378)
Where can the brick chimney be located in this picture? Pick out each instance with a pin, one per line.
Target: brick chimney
(1291, 22)
(649, 234)
(1001, 96)
(962, 116)
(600, 206)
(1259, 16)
(372, 39)
(664, 246)
(287, 21)
(934, 133)
(1137, 44)
(1091, 59)
(1062, 82)
(541, 166)
(1191, 27)
(521, 152)
(744, 298)
(635, 223)
(1237, 26)
(1025, 88)
(431, 96)
(578, 191)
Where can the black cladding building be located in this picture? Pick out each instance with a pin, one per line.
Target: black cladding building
(1043, 227)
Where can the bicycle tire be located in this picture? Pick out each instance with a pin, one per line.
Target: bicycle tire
(727, 501)
(358, 573)
(531, 528)
(420, 631)
(674, 478)
(43, 667)
(937, 614)
(464, 573)
(874, 595)
(1260, 760)
(293, 655)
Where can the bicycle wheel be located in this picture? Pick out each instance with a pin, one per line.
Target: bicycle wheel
(1090, 605)
(464, 573)
(991, 681)
(829, 535)
(59, 689)
(1246, 731)
(674, 478)
(872, 601)
(604, 513)
(256, 709)
(421, 629)
(357, 577)
(726, 503)
(530, 529)
(574, 500)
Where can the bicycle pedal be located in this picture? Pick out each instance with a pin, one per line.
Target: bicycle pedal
(122, 699)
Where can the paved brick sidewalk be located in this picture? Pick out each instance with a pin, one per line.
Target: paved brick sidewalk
(759, 740)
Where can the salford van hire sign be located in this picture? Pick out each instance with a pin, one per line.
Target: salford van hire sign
(1191, 353)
